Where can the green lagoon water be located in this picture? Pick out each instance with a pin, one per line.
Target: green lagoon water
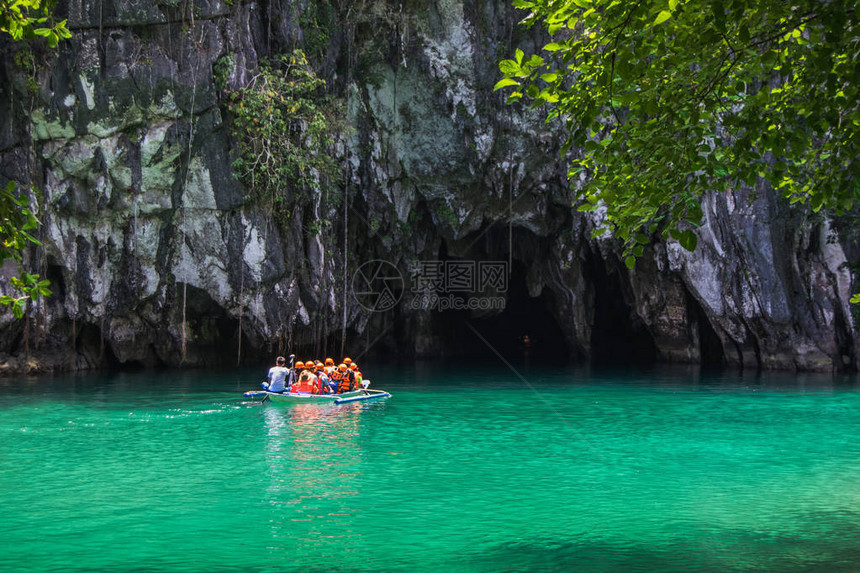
(572, 470)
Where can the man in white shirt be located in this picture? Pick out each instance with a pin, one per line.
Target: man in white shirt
(276, 379)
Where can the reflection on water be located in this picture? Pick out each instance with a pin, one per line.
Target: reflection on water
(314, 473)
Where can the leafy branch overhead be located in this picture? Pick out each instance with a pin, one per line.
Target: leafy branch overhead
(664, 100)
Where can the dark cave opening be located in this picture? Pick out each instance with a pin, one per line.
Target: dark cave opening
(711, 355)
(215, 334)
(618, 336)
(526, 329)
(54, 273)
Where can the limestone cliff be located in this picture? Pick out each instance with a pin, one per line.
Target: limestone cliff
(157, 256)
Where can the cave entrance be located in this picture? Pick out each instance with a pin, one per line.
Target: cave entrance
(526, 330)
(618, 336)
(711, 355)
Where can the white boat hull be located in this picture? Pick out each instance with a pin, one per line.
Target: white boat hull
(308, 398)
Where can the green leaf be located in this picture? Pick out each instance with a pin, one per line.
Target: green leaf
(688, 239)
(855, 298)
(505, 82)
(509, 67)
(630, 262)
(694, 214)
(662, 17)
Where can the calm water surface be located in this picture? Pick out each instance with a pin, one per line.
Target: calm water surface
(458, 471)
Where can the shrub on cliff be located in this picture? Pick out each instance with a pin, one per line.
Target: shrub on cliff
(283, 127)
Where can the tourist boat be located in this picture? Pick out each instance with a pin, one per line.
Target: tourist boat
(308, 398)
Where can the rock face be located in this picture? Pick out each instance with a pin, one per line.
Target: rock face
(157, 257)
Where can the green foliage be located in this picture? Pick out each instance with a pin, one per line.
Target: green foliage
(284, 125)
(24, 20)
(668, 99)
(26, 62)
(30, 19)
(221, 71)
(316, 22)
(447, 214)
(16, 219)
(31, 288)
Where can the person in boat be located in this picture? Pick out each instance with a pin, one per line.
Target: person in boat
(294, 374)
(343, 379)
(307, 381)
(277, 376)
(357, 375)
(322, 376)
(329, 367)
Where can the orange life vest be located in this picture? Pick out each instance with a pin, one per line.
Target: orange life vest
(307, 383)
(346, 383)
(340, 378)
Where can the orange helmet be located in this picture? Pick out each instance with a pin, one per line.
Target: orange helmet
(329, 362)
(342, 367)
(347, 360)
(309, 363)
(353, 366)
(318, 364)
(300, 365)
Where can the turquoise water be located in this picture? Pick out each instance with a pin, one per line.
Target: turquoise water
(459, 471)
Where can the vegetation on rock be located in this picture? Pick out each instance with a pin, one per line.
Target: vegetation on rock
(284, 125)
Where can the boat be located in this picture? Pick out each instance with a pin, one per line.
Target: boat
(308, 398)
